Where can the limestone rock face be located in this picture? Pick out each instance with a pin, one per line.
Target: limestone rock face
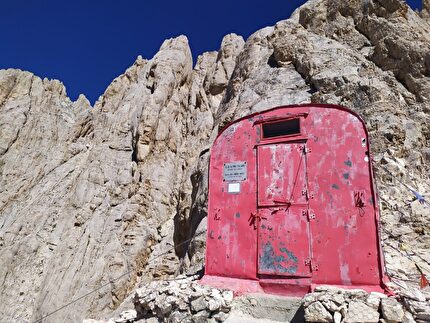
(425, 12)
(90, 194)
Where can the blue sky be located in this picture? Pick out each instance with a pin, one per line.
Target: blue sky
(86, 44)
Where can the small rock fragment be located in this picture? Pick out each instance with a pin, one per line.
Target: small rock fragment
(392, 311)
(359, 312)
(200, 317)
(214, 305)
(198, 304)
(408, 318)
(316, 312)
(337, 317)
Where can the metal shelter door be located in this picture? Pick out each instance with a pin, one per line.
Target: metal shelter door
(283, 225)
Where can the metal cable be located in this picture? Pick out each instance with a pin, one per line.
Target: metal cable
(417, 195)
(113, 280)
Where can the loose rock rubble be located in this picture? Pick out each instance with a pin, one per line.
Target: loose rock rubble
(416, 302)
(331, 304)
(179, 300)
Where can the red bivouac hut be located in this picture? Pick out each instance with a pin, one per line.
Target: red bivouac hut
(292, 203)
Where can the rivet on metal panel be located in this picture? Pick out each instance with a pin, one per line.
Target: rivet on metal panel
(307, 262)
(311, 215)
(314, 267)
(304, 212)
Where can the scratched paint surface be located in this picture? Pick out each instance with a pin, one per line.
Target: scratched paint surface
(283, 242)
(247, 239)
(273, 262)
(281, 174)
(342, 232)
(283, 233)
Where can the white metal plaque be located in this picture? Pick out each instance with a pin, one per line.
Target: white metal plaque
(235, 171)
(234, 188)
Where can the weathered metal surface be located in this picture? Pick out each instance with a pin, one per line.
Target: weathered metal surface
(283, 232)
(281, 174)
(295, 205)
(283, 242)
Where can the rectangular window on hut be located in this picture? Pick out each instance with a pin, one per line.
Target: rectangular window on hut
(281, 128)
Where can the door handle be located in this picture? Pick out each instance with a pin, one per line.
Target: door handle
(283, 202)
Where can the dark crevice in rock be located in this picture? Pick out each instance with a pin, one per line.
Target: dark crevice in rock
(134, 148)
(308, 80)
(272, 62)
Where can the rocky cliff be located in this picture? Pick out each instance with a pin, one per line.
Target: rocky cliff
(89, 194)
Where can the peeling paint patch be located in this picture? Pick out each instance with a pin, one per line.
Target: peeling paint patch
(289, 253)
(237, 215)
(344, 274)
(348, 162)
(346, 175)
(269, 261)
(335, 186)
(211, 234)
(258, 133)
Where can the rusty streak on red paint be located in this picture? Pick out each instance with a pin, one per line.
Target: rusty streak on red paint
(303, 219)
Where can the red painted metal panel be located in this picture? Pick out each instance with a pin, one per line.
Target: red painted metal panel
(231, 239)
(281, 174)
(283, 242)
(283, 236)
(345, 246)
(342, 232)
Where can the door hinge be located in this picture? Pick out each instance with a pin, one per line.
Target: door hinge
(311, 264)
(305, 192)
(305, 150)
(308, 195)
(309, 214)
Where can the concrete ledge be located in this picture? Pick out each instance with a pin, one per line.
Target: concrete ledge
(266, 308)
